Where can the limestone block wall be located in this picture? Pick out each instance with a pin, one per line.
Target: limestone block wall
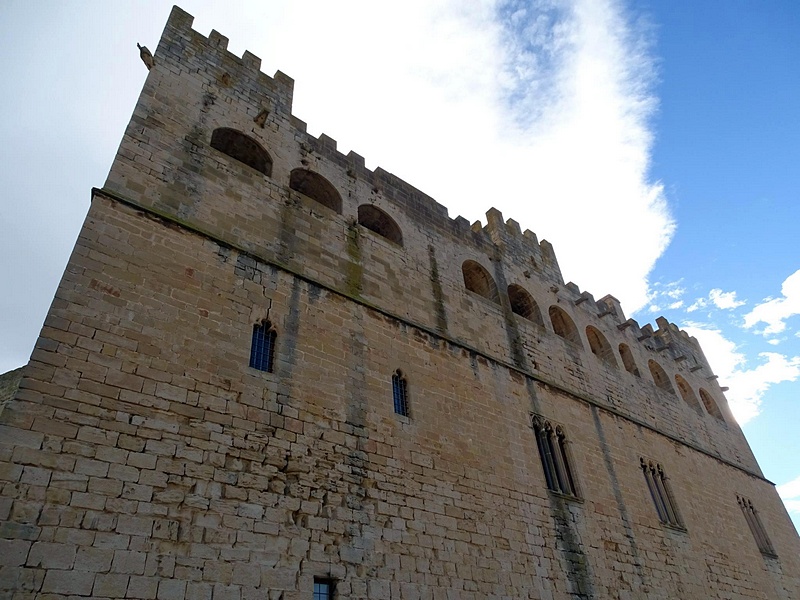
(8, 386)
(166, 164)
(143, 457)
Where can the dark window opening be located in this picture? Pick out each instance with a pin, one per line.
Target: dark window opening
(756, 526)
(323, 589)
(400, 393)
(711, 406)
(661, 493)
(600, 347)
(376, 220)
(523, 304)
(563, 325)
(556, 458)
(627, 360)
(478, 280)
(660, 376)
(687, 393)
(243, 148)
(262, 348)
(316, 187)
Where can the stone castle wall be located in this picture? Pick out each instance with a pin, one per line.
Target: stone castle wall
(143, 458)
(166, 164)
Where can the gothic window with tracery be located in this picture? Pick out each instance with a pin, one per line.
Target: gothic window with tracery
(661, 493)
(555, 455)
(756, 526)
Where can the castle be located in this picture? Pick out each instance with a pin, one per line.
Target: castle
(269, 372)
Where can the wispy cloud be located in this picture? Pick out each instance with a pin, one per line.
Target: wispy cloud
(747, 383)
(697, 305)
(724, 300)
(541, 109)
(790, 489)
(775, 311)
(666, 294)
(790, 494)
(717, 298)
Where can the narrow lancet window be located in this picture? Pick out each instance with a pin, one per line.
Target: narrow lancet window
(262, 349)
(756, 526)
(661, 493)
(555, 455)
(400, 393)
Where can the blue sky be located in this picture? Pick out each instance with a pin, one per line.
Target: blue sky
(664, 133)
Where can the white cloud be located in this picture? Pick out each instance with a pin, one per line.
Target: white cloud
(790, 489)
(724, 300)
(720, 299)
(790, 494)
(542, 109)
(747, 385)
(774, 342)
(697, 305)
(674, 291)
(519, 95)
(775, 311)
(668, 294)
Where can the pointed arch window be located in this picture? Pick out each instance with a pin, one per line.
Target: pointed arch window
(756, 526)
(262, 348)
(243, 148)
(316, 187)
(374, 219)
(400, 393)
(556, 456)
(661, 493)
(478, 280)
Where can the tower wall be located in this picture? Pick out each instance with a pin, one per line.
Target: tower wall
(142, 457)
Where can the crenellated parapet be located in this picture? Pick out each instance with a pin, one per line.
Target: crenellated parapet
(269, 371)
(267, 187)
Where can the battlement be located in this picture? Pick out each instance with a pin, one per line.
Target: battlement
(271, 371)
(264, 185)
(277, 94)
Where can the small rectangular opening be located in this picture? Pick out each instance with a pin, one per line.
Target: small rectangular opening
(323, 588)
